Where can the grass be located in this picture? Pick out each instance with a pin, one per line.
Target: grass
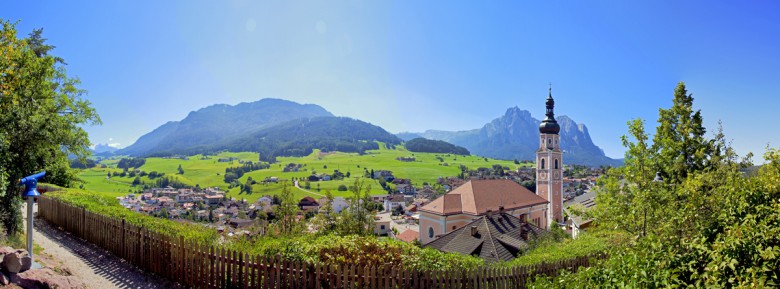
(208, 172)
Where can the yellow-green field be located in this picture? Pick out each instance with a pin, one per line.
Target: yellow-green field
(208, 172)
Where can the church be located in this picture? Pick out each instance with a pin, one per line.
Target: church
(478, 200)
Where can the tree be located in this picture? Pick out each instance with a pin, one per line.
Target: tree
(357, 218)
(136, 181)
(181, 171)
(41, 117)
(286, 211)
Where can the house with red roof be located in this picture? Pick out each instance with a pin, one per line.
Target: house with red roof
(475, 199)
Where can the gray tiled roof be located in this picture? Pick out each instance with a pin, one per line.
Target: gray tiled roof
(498, 238)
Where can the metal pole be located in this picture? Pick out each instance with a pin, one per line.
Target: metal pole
(30, 203)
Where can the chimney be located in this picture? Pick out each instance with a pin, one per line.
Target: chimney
(501, 209)
(490, 213)
(473, 230)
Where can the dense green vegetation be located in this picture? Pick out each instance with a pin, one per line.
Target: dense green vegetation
(421, 145)
(552, 250)
(41, 115)
(702, 224)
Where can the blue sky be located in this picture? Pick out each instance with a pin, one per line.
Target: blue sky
(417, 65)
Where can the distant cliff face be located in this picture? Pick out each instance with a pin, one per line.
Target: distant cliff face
(515, 135)
(219, 122)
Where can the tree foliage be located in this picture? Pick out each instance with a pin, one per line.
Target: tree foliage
(358, 218)
(286, 223)
(41, 114)
(434, 146)
(130, 163)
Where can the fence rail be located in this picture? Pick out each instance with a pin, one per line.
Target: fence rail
(197, 266)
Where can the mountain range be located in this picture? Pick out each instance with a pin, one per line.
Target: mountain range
(272, 127)
(275, 127)
(515, 135)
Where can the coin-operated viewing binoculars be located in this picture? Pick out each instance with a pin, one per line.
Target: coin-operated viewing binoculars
(30, 192)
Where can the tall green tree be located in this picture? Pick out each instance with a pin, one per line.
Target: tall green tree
(357, 219)
(286, 212)
(680, 140)
(41, 114)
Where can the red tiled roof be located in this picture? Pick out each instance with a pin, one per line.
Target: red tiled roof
(476, 197)
(408, 236)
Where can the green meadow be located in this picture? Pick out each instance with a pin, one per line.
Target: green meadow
(208, 172)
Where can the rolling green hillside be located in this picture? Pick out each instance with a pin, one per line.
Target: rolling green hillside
(209, 172)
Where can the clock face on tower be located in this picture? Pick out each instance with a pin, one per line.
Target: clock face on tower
(556, 176)
(543, 175)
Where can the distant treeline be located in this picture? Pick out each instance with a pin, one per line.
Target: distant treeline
(234, 173)
(128, 163)
(168, 181)
(77, 164)
(421, 145)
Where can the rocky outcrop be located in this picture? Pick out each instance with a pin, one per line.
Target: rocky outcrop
(16, 264)
(46, 278)
(16, 261)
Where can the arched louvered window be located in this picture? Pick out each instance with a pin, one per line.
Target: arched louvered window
(542, 167)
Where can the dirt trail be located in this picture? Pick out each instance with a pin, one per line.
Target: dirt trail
(94, 266)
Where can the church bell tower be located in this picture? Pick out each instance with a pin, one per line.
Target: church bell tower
(549, 165)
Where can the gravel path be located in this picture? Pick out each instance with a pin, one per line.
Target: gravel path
(94, 266)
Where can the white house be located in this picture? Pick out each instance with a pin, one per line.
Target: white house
(338, 204)
(394, 201)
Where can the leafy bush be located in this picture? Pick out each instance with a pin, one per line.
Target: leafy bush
(550, 250)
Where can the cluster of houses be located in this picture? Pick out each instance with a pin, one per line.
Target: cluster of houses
(173, 200)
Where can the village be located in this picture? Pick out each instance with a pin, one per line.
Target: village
(397, 214)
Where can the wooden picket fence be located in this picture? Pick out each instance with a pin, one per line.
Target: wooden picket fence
(197, 266)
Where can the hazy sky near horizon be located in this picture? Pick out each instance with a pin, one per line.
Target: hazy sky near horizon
(418, 65)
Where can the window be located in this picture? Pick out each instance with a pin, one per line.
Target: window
(430, 232)
(382, 227)
(453, 227)
(542, 163)
(549, 140)
(556, 164)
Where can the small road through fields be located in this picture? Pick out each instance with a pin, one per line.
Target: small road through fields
(310, 192)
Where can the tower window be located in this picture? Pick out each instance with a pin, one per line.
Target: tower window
(556, 164)
(542, 163)
(549, 140)
(430, 232)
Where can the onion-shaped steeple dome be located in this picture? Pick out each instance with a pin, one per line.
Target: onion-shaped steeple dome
(549, 125)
